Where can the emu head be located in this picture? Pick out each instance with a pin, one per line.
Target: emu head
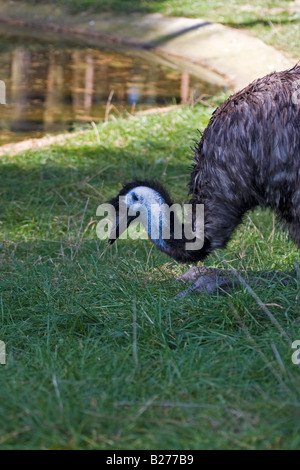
(149, 201)
(137, 199)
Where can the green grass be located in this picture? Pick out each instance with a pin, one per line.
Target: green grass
(275, 22)
(99, 354)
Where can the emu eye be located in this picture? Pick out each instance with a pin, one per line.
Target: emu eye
(134, 197)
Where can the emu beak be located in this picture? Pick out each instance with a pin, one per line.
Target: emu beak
(121, 224)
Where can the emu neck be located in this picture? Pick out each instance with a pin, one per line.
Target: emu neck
(165, 229)
(156, 221)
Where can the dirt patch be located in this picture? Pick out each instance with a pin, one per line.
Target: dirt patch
(60, 139)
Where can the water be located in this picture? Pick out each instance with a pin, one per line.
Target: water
(53, 87)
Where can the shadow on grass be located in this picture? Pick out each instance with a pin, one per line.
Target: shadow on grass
(180, 32)
(125, 6)
(45, 196)
(261, 21)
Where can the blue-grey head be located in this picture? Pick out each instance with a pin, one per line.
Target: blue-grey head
(145, 200)
(150, 202)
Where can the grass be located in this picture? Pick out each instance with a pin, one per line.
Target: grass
(275, 22)
(99, 355)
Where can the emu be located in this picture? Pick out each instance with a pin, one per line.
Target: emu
(248, 156)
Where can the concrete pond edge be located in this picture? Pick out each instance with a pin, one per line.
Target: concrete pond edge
(220, 54)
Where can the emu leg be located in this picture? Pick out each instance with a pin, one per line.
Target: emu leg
(193, 273)
(206, 280)
(210, 280)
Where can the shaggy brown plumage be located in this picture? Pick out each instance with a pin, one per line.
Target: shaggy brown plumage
(249, 155)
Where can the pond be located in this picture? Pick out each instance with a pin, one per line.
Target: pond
(53, 86)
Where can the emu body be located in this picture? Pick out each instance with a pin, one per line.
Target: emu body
(248, 155)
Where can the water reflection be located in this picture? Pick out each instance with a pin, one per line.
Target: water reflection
(49, 88)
